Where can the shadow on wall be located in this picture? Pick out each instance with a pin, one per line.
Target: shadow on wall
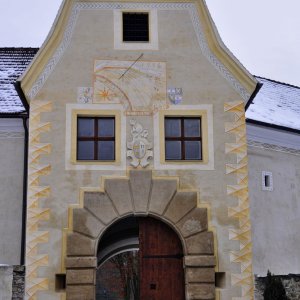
(291, 284)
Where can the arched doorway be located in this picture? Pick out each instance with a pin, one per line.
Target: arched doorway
(140, 258)
(139, 195)
(117, 275)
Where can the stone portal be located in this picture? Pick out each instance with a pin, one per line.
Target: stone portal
(140, 194)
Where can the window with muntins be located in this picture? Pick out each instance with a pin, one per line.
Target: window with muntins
(183, 138)
(135, 27)
(96, 138)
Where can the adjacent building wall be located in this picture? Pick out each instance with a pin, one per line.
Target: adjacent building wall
(275, 212)
(11, 189)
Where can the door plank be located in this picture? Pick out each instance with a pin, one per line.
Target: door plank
(161, 266)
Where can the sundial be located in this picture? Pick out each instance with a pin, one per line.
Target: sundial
(139, 85)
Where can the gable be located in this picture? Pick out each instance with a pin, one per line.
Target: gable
(62, 34)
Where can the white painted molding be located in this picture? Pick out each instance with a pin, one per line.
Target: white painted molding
(11, 135)
(277, 148)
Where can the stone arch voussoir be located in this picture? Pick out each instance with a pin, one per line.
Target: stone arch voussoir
(140, 194)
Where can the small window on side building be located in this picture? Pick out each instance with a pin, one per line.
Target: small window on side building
(96, 138)
(183, 138)
(135, 27)
(267, 181)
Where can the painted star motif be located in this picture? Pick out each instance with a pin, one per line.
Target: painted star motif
(105, 95)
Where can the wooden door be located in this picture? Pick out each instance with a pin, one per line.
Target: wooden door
(161, 266)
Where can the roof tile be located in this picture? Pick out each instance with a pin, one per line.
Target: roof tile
(276, 103)
(13, 62)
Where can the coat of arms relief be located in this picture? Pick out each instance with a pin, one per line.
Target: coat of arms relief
(139, 148)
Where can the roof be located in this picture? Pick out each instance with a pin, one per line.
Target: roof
(276, 104)
(13, 62)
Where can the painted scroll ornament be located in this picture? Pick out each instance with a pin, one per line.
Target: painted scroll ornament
(139, 149)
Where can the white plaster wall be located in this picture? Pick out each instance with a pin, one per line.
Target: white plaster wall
(11, 189)
(6, 278)
(279, 138)
(275, 214)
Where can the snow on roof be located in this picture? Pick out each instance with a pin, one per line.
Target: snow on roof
(277, 104)
(13, 62)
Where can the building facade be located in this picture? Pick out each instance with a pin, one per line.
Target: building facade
(137, 113)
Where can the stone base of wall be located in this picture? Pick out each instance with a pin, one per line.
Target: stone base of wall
(290, 282)
(12, 282)
(18, 284)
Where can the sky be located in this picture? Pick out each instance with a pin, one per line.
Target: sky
(263, 34)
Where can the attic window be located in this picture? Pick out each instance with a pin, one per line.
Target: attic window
(135, 27)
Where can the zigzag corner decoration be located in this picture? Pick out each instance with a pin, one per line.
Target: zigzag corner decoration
(36, 193)
(240, 192)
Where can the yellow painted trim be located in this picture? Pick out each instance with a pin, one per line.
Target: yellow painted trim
(211, 228)
(239, 191)
(204, 135)
(215, 44)
(38, 195)
(69, 228)
(96, 113)
(63, 296)
(48, 48)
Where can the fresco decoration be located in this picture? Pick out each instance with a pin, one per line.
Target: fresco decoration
(85, 95)
(266, 146)
(190, 7)
(139, 149)
(242, 234)
(37, 194)
(140, 86)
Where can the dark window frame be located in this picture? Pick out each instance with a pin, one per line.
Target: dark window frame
(95, 138)
(182, 138)
(131, 32)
